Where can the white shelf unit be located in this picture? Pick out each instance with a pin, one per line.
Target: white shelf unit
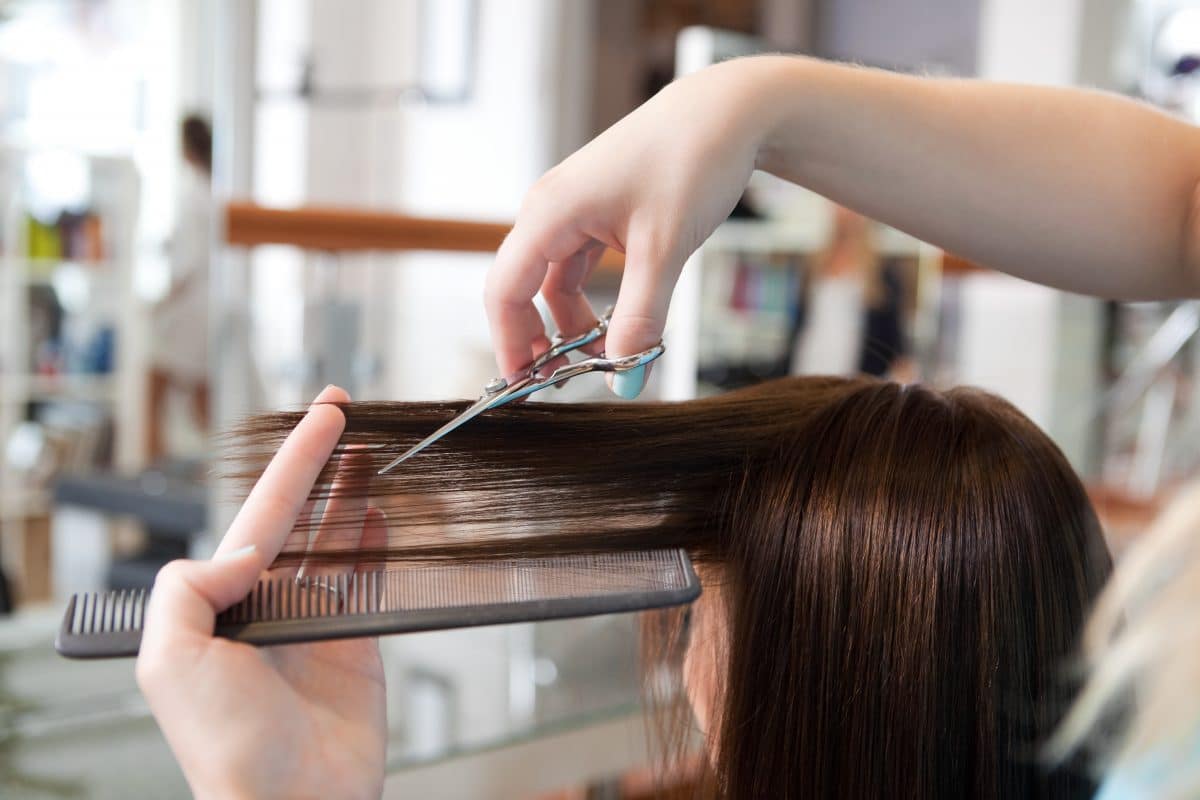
(96, 293)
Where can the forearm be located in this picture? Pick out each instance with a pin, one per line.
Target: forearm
(1080, 190)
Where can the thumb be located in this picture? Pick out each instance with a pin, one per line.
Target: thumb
(640, 314)
(188, 595)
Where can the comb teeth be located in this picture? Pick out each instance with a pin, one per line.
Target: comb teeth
(280, 599)
(109, 624)
(103, 624)
(107, 612)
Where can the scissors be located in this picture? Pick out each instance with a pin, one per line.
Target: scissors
(529, 379)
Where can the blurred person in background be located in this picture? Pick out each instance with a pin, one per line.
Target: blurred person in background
(855, 307)
(179, 323)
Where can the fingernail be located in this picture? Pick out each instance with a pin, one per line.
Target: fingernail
(628, 384)
(238, 553)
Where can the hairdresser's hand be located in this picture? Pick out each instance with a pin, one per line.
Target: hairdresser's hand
(654, 186)
(294, 721)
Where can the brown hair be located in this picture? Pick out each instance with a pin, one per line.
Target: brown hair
(903, 570)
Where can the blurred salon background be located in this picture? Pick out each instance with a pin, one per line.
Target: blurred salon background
(212, 207)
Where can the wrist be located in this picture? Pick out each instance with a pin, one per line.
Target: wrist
(744, 98)
(775, 109)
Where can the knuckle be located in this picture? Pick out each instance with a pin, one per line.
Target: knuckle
(550, 182)
(549, 205)
(658, 246)
(537, 200)
(497, 279)
(172, 572)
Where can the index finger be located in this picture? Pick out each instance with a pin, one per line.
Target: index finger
(270, 511)
(512, 283)
(514, 280)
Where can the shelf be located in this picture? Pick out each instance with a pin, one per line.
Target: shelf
(14, 143)
(103, 275)
(102, 264)
(352, 229)
(741, 236)
(94, 293)
(78, 386)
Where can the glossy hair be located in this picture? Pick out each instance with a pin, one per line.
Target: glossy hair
(903, 571)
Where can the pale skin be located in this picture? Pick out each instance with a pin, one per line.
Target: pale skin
(295, 721)
(1073, 189)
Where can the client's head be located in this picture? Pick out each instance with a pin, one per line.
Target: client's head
(902, 577)
(894, 576)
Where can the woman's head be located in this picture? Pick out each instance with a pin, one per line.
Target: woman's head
(894, 575)
(904, 574)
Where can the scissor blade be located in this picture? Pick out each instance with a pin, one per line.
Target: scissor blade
(480, 405)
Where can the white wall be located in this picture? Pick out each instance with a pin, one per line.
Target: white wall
(471, 160)
(1056, 42)
(1029, 41)
(476, 161)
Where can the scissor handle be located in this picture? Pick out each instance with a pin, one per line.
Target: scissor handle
(568, 371)
(560, 346)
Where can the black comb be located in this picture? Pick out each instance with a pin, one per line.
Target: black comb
(403, 598)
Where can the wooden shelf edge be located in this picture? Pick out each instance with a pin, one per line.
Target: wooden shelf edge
(349, 229)
(328, 228)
